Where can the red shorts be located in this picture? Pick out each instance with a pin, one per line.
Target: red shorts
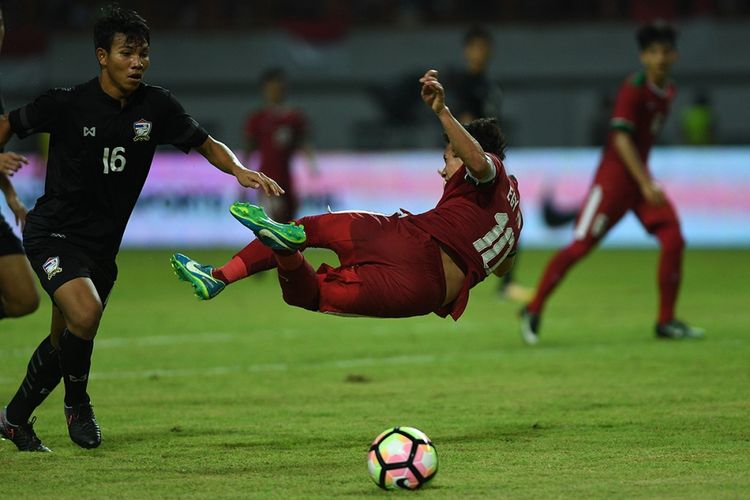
(609, 199)
(389, 267)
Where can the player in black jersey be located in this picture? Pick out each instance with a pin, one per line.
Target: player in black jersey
(103, 134)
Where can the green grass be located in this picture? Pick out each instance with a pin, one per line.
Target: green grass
(244, 396)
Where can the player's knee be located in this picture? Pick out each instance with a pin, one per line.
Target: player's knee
(85, 322)
(579, 249)
(21, 305)
(298, 300)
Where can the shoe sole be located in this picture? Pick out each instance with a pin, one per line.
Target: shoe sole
(270, 232)
(183, 274)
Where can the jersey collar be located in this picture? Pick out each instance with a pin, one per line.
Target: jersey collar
(111, 100)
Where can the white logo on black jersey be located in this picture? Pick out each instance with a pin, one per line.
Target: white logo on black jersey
(89, 131)
(52, 267)
(142, 130)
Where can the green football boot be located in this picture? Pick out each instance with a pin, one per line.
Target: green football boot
(199, 276)
(276, 236)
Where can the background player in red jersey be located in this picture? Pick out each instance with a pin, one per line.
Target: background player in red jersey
(399, 265)
(277, 131)
(623, 183)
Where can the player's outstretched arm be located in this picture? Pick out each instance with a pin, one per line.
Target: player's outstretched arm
(220, 156)
(464, 145)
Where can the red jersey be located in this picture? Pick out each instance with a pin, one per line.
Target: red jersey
(477, 224)
(277, 132)
(641, 109)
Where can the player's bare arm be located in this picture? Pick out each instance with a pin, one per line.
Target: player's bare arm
(463, 144)
(9, 162)
(629, 154)
(11, 197)
(5, 132)
(220, 156)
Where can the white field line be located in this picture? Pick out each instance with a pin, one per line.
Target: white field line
(152, 341)
(260, 368)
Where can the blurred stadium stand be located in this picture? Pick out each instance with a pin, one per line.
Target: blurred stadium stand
(351, 62)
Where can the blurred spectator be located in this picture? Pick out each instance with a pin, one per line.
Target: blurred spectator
(277, 131)
(473, 93)
(698, 122)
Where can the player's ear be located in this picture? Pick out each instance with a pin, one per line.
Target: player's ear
(101, 56)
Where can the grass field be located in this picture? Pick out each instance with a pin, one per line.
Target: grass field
(244, 396)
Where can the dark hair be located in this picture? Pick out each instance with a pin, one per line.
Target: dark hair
(272, 74)
(113, 20)
(477, 33)
(656, 32)
(488, 134)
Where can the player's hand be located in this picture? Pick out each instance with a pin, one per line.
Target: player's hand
(653, 194)
(432, 92)
(10, 162)
(258, 180)
(19, 210)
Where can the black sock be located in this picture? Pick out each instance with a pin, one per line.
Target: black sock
(42, 376)
(75, 361)
(2, 310)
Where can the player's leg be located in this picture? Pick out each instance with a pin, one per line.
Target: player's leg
(340, 232)
(81, 306)
(602, 210)
(43, 374)
(208, 281)
(663, 222)
(18, 293)
(332, 231)
(398, 273)
(510, 289)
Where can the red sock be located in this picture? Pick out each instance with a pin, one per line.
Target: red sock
(555, 272)
(670, 270)
(252, 259)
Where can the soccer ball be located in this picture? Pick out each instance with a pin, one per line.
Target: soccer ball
(402, 457)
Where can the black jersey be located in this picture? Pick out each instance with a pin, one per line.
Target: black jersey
(99, 156)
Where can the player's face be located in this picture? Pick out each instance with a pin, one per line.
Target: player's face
(274, 91)
(657, 59)
(124, 65)
(452, 163)
(477, 53)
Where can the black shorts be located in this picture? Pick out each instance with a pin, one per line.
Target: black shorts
(9, 242)
(56, 262)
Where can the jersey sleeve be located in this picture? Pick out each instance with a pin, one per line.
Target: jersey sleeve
(625, 113)
(181, 130)
(39, 115)
(493, 162)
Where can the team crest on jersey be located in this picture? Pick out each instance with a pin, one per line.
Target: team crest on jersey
(142, 130)
(52, 267)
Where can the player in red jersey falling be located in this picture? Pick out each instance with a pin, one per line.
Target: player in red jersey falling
(399, 265)
(277, 131)
(623, 183)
